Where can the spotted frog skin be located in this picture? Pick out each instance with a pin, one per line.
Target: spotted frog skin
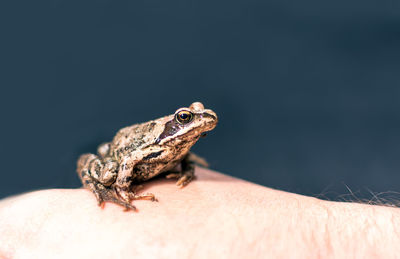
(142, 151)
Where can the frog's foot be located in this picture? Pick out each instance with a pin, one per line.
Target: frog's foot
(126, 196)
(106, 194)
(183, 177)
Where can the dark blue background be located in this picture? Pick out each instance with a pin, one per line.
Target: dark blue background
(307, 91)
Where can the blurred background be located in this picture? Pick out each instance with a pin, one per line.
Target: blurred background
(307, 92)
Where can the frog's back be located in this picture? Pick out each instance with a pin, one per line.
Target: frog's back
(133, 138)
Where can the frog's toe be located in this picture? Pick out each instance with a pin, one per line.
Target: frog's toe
(122, 203)
(123, 198)
(185, 179)
(127, 206)
(147, 196)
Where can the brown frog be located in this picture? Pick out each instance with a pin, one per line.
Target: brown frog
(142, 151)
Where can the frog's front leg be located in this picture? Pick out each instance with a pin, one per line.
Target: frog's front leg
(123, 185)
(187, 169)
(98, 176)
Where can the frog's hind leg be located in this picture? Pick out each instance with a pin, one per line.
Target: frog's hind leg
(88, 171)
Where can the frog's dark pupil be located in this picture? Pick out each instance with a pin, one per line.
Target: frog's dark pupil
(184, 117)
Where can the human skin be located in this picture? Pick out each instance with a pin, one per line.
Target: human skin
(215, 216)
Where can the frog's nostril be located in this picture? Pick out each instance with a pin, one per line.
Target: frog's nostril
(212, 115)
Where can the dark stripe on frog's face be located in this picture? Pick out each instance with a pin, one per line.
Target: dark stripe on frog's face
(170, 129)
(152, 155)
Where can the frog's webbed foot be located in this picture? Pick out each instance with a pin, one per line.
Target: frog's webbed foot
(106, 194)
(183, 177)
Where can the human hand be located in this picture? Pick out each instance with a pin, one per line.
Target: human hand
(215, 216)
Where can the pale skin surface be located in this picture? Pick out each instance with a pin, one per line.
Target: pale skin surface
(215, 216)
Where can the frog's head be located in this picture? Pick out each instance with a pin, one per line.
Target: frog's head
(188, 124)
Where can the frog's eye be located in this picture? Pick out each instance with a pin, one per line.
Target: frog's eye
(184, 117)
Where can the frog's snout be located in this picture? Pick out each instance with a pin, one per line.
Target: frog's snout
(212, 114)
(211, 119)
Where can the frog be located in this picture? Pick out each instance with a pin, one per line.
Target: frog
(140, 152)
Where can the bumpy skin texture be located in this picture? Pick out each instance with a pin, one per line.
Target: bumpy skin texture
(142, 151)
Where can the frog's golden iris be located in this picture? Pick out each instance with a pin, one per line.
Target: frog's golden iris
(184, 117)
